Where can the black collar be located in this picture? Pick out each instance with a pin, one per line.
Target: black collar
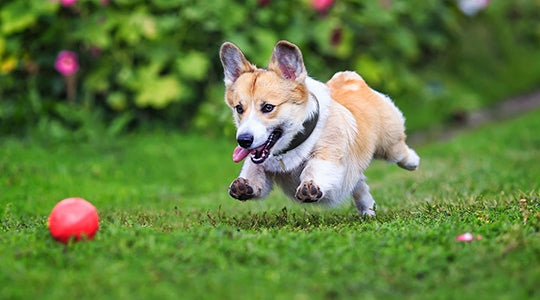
(309, 125)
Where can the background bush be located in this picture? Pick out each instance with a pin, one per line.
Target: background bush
(156, 62)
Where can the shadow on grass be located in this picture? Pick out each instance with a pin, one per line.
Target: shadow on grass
(292, 220)
(473, 210)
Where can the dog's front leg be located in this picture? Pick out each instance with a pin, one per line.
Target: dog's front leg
(318, 179)
(253, 182)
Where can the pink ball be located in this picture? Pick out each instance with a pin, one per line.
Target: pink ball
(73, 218)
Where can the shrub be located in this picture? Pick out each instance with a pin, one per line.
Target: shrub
(157, 61)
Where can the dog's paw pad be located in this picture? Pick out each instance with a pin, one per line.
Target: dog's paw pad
(308, 192)
(241, 190)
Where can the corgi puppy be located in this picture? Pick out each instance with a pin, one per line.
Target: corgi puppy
(314, 140)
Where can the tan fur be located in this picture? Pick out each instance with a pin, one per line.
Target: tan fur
(253, 88)
(380, 125)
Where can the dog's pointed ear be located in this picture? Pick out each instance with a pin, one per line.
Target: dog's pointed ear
(287, 61)
(234, 62)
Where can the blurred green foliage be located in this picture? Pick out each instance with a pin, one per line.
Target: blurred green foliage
(146, 62)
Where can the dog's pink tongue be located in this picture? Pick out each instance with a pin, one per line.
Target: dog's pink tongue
(239, 153)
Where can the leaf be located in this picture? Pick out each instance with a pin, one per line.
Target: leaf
(368, 68)
(7, 65)
(2, 46)
(265, 40)
(159, 92)
(345, 47)
(322, 31)
(19, 15)
(168, 4)
(117, 101)
(138, 25)
(406, 42)
(98, 78)
(120, 123)
(16, 16)
(193, 65)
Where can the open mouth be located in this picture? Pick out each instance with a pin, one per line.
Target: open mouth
(258, 154)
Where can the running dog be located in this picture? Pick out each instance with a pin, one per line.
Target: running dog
(314, 140)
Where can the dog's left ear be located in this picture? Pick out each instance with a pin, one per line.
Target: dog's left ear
(287, 61)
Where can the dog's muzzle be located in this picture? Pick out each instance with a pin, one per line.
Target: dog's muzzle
(258, 154)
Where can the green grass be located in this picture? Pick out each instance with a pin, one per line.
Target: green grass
(170, 231)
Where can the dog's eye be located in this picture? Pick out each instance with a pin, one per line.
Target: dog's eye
(239, 109)
(267, 108)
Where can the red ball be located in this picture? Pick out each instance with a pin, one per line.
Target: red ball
(73, 218)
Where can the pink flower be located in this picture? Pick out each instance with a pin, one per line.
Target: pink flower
(68, 2)
(467, 237)
(65, 2)
(321, 5)
(104, 2)
(66, 63)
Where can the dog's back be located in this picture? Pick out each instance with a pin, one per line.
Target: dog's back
(380, 125)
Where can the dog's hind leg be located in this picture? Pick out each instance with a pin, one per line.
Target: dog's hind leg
(365, 205)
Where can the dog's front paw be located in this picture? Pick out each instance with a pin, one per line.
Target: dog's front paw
(241, 190)
(308, 191)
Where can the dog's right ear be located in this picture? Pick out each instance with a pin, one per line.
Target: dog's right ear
(234, 62)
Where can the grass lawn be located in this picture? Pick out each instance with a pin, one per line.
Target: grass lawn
(170, 231)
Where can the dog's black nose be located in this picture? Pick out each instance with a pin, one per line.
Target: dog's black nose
(245, 140)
